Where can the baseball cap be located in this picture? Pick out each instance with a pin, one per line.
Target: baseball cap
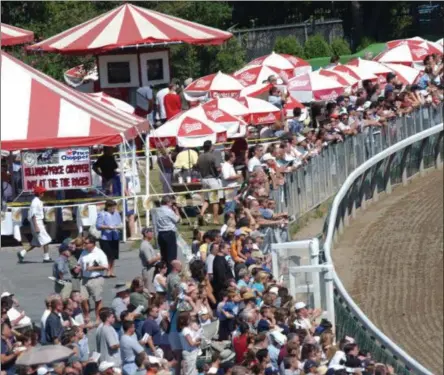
(340, 99)
(309, 364)
(105, 365)
(299, 305)
(256, 234)
(274, 290)
(119, 288)
(300, 138)
(6, 294)
(268, 156)
(390, 75)
(39, 190)
(43, 370)
(63, 247)
(146, 230)
(343, 111)
(334, 115)
(367, 104)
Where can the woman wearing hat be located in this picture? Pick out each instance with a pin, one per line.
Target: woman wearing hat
(40, 236)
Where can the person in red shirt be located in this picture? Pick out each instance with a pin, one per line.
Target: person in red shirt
(241, 342)
(172, 102)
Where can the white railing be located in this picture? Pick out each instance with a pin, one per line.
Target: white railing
(344, 206)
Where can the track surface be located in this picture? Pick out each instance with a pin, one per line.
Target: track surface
(390, 260)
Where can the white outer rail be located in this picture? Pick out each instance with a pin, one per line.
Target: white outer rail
(395, 349)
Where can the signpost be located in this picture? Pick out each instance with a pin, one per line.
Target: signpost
(57, 169)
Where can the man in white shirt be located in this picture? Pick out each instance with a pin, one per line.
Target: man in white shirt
(160, 104)
(256, 159)
(144, 101)
(92, 262)
(40, 236)
(229, 176)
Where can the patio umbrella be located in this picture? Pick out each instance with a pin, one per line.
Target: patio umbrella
(213, 85)
(356, 72)
(257, 74)
(440, 42)
(76, 76)
(314, 86)
(187, 130)
(11, 35)
(262, 112)
(129, 25)
(372, 67)
(407, 54)
(344, 79)
(44, 354)
(418, 41)
(290, 104)
(259, 90)
(406, 74)
(112, 102)
(229, 105)
(289, 65)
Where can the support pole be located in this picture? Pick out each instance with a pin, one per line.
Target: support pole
(123, 183)
(147, 177)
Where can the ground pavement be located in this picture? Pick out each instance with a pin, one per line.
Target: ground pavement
(390, 260)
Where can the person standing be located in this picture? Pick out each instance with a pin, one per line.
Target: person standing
(53, 325)
(129, 348)
(172, 102)
(166, 168)
(165, 222)
(110, 222)
(40, 236)
(62, 272)
(106, 166)
(209, 169)
(93, 262)
(144, 101)
(229, 176)
(148, 256)
(173, 279)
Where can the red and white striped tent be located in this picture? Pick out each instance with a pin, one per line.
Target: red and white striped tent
(314, 87)
(108, 100)
(213, 86)
(40, 112)
(11, 35)
(257, 74)
(374, 67)
(130, 25)
(261, 111)
(288, 65)
(188, 129)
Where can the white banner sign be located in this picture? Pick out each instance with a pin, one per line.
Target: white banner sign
(61, 169)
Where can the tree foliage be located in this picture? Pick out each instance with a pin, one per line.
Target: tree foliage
(289, 45)
(340, 47)
(316, 46)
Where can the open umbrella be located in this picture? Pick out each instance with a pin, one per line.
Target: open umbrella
(356, 72)
(262, 112)
(290, 104)
(440, 42)
(112, 102)
(288, 65)
(344, 79)
(373, 67)
(406, 74)
(407, 54)
(213, 85)
(11, 35)
(416, 41)
(188, 130)
(44, 354)
(229, 105)
(314, 86)
(257, 74)
(259, 90)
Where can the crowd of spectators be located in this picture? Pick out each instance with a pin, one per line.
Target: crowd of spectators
(223, 312)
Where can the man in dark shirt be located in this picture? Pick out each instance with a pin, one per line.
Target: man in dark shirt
(150, 325)
(53, 326)
(105, 166)
(209, 168)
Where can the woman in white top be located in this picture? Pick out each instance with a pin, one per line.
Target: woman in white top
(190, 338)
(159, 279)
(40, 236)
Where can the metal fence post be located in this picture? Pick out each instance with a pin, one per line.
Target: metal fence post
(405, 156)
(421, 156)
(314, 261)
(330, 296)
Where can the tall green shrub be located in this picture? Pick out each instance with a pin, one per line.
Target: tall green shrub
(340, 47)
(316, 46)
(289, 45)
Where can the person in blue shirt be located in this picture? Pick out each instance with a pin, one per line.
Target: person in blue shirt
(110, 223)
(294, 125)
(425, 79)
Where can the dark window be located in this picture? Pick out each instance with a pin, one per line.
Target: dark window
(154, 70)
(119, 72)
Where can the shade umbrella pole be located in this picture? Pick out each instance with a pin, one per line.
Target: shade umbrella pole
(147, 177)
(123, 183)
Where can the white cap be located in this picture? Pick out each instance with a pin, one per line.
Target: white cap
(299, 305)
(187, 81)
(274, 290)
(105, 365)
(43, 370)
(360, 109)
(6, 294)
(267, 157)
(203, 311)
(300, 138)
(367, 104)
(343, 111)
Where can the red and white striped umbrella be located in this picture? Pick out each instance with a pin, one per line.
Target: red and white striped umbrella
(260, 90)
(11, 35)
(288, 65)
(229, 122)
(356, 72)
(405, 74)
(440, 42)
(407, 54)
(229, 105)
(130, 25)
(189, 129)
(373, 67)
(314, 87)
(112, 102)
(344, 79)
(257, 74)
(39, 112)
(214, 86)
(416, 41)
(261, 111)
(290, 104)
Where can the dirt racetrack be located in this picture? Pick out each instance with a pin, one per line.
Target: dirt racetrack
(390, 260)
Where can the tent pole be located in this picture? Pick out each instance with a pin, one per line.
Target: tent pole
(123, 184)
(147, 178)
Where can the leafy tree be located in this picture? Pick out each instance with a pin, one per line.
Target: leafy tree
(185, 61)
(229, 57)
(289, 45)
(316, 46)
(340, 47)
(365, 42)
